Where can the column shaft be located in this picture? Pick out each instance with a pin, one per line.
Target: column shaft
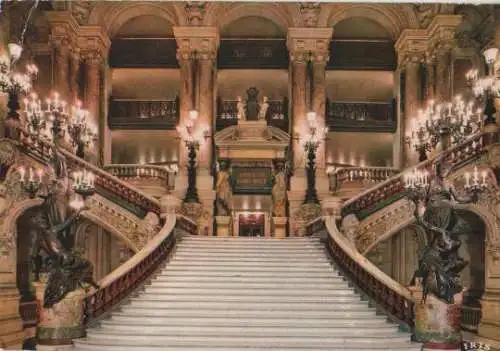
(61, 58)
(74, 73)
(185, 101)
(206, 109)
(299, 80)
(411, 107)
(92, 95)
(443, 76)
(318, 105)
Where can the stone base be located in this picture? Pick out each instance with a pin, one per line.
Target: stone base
(305, 214)
(63, 322)
(280, 227)
(11, 329)
(223, 225)
(437, 323)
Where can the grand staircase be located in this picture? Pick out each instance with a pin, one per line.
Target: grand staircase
(241, 293)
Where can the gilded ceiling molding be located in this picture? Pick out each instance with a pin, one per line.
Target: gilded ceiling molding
(112, 15)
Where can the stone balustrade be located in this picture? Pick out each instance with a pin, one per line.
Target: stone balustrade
(358, 176)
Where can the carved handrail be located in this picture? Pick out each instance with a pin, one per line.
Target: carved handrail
(134, 172)
(392, 189)
(388, 294)
(43, 149)
(359, 174)
(117, 285)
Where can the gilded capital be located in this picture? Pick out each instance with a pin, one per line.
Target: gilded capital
(196, 42)
(411, 47)
(309, 44)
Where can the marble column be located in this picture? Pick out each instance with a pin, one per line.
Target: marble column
(74, 71)
(443, 75)
(92, 96)
(319, 100)
(205, 98)
(430, 88)
(185, 60)
(61, 68)
(412, 82)
(299, 105)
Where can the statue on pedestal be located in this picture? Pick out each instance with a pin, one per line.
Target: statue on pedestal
(240, 108)
(279, 189)
(263, 109)
(223, 189)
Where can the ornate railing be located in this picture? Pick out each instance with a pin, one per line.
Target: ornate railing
(107, 185)
(392, 189)
(29, 313)
(341, 176)
(471, 317)
(164, 175)
(143, 114)
(126, 278)
(387, 294)
(361, 116)
(277, 113)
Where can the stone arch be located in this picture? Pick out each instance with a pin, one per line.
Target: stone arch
(224, 14)
(387, 16)
(113, 16)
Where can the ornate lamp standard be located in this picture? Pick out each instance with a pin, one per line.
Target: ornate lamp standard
(193, 137)
(80, 131)
(443, 123)
(14, 83)
(315, 135)
(488, 86)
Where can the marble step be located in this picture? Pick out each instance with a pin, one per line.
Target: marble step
(231, 297)
(247, 290)
(248, 268)
(200, 312)
(334, 281)
(259, 331)
(289, 259)
(84, 345)
(261, 275)
(245, 341)
(248, 306)
(375, 321)
(240, 263)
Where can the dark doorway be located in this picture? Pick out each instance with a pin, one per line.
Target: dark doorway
(251, 224)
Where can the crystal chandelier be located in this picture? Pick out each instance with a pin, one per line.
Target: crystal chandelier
(13, 82)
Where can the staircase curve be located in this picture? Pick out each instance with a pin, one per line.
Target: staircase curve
(381, 211)
(147, 226)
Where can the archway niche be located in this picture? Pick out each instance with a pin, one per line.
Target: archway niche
(361, 69)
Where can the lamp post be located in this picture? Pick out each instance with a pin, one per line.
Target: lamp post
(488, 86)
(192, 137)
(315, 135)
(14, 83)
(79, 130)
(444, 123)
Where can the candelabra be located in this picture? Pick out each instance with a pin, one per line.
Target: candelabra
(315, 135)
(30, 182)
(416, 184)
(83, 186)
(487, 87)
(192, 138)
(79, 130)
(14, 83)
(473, 186)
(452, 121)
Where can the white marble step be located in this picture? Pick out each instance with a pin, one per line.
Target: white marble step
(248, 306)
(243, 298)
(250, 268)
(258, 283)
(290, 258)
(214, 290)
(263, 274)
(248, 264)
(258, 313)
(85, 345)
(249, 331)
(375, 321)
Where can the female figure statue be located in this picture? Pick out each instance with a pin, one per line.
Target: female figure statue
(240, 108)
(223, 190)
(279, 190)
(263, 108)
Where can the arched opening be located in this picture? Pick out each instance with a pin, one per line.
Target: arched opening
(144, 92)
(360, 108)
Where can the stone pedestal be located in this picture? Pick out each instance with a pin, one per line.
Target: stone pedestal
(280, 227)
(223, 228)
(437, 323)
(63, 322)
(331, 206)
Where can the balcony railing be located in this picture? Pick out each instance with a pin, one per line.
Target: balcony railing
(359, 175)
(361, 116)
(142, 114)
(277, 113)
(138, 174)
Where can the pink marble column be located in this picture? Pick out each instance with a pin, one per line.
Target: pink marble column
(318, 102)
(206, 100)
(74, 70)
(185, 60)
(92, 94)
(411, 106)
(430, 88)
(61, 68)
(443, 75)
(299, 106)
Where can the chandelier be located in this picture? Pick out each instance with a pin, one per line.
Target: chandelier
(13, 82)
(447, 122)
(488, 86)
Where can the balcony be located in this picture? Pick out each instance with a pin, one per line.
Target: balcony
(276, 116)
(143, 114)
(344, 116)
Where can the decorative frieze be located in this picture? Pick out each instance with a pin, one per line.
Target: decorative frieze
(196, 42)
(309, 43)
(195, 12)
